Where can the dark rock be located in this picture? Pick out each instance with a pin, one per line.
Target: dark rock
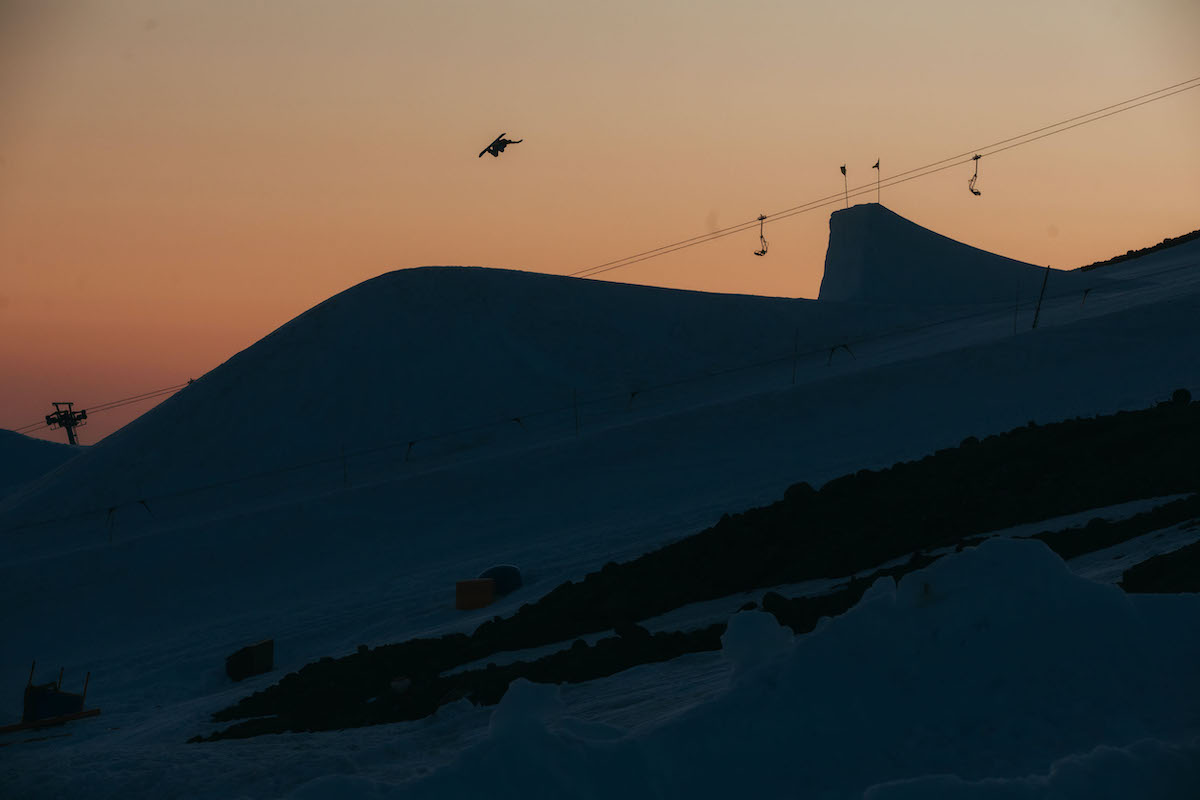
(631, 630)
(798, 491)
(1169, 573)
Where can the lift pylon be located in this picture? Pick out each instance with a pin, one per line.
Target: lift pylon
(66, 417)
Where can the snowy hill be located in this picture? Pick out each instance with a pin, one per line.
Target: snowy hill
(498, 417)
(23, 458)
(438, 356)
(877, 256)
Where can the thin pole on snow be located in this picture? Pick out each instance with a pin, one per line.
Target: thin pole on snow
(1038, 311)
(795, 354)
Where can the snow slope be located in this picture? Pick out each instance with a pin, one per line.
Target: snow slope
(438, 355)
(365, 549)
(877, 256)
(23, 458)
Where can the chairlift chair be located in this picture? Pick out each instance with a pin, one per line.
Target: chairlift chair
(763, 251)
(975, 177)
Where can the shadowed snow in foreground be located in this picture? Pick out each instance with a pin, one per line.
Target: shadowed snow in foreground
(994, 672)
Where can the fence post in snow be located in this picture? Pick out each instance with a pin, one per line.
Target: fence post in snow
(1016, 306)
(795, 354)
(1038, 310)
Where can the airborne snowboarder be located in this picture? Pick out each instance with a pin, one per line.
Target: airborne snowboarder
(497, 146)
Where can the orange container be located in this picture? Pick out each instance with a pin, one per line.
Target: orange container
(474, 593)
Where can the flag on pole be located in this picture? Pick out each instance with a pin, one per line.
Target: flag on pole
(843, 169)
(876, 164)
(877, 174)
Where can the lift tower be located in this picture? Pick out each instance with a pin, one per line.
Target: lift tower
(66, 417)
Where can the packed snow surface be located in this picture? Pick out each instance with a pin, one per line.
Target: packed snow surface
(995, 666)
(877, 256)
(448, 358)
(328, 485)
(23, 459)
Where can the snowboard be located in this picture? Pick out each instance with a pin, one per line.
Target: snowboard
(490, 146)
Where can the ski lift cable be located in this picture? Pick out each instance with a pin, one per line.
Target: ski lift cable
(93, 411)
(110, 405)
(1067, 121)
(902, 177)
(928, 169)
(134, 398)
(832, 200)
(1088, 121)
(867, 189)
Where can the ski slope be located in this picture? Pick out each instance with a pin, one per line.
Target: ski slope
(24, 459)
(326, 487)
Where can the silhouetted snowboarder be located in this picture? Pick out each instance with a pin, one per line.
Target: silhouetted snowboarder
(497, 146)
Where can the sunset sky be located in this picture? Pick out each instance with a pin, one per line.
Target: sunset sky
(177, 179)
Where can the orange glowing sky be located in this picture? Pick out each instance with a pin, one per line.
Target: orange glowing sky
(179, 178)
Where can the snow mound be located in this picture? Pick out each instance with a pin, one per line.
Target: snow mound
(877, 256)
(753, 640)
(963, 680)
(526, 706)
(23, 458)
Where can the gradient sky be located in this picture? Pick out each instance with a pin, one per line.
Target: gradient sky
(177, 179)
